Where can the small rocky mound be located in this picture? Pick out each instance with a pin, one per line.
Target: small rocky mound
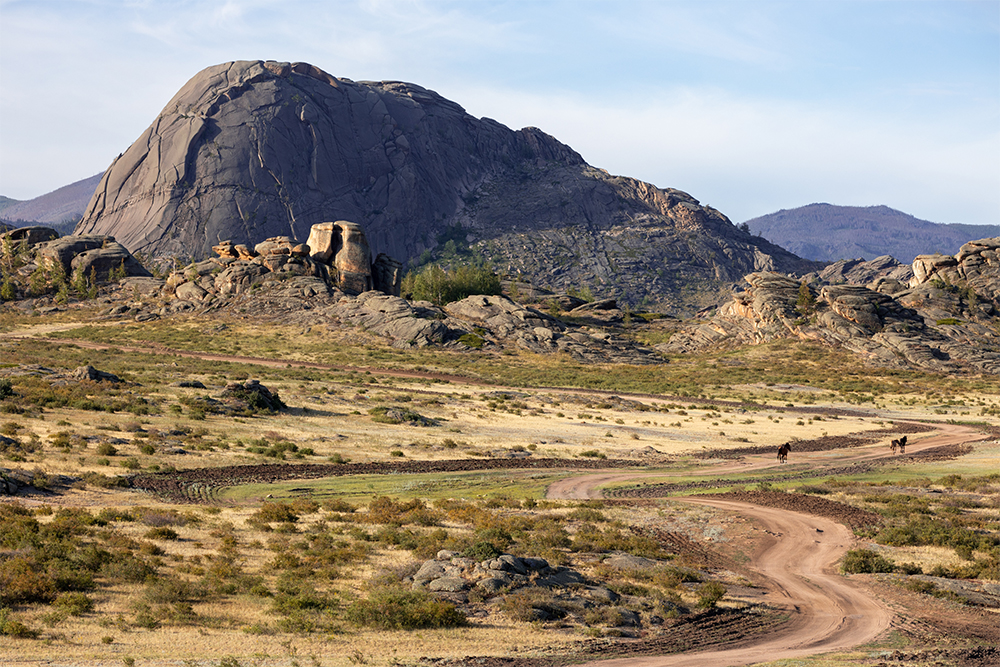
(88, 372)
(529, 589)
(252, 396)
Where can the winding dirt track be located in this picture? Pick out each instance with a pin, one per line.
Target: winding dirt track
(798, 558)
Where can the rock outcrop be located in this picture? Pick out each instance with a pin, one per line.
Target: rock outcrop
(253, 150)
(944, 319)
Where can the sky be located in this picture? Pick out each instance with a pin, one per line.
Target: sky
(749, 106)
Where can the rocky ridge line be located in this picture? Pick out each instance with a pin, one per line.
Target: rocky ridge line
(943, 318)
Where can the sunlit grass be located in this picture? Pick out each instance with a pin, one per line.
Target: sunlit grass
(704, 375)
(361, 488)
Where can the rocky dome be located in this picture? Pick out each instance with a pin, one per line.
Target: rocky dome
(251, 150)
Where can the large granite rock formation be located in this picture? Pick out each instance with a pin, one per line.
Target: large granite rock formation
(252, 150)
(944, 318)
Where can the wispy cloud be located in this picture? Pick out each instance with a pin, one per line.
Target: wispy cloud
(745, 156)
(749, 106)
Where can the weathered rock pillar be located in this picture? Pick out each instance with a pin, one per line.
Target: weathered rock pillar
(353, 259)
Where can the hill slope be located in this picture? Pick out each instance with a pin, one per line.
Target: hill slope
(250, 150)
(825, 232)
(66, 204)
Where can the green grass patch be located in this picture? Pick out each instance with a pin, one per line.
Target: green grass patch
(361, 488)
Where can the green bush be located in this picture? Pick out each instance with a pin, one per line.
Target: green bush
(481, 551)
(161, 533)
(435, 284)
(859, 561)
(106, 449)
(74, 603)
(22, 580)
(399, 609)
(709, 594)
(11, 627)
(273, 513)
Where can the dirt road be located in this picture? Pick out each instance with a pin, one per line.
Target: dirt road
(798, 559)
(588, 486)
(828, 612)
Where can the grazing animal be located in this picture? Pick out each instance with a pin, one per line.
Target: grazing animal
(902, 445)
(783, 452)
(894, 446)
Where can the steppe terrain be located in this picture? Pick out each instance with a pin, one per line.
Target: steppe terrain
(165, 520)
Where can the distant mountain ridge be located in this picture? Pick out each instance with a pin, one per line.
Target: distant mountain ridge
(62, 208)
(827, 233)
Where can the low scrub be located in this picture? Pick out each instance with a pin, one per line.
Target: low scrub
(400, 609)
(865, 561)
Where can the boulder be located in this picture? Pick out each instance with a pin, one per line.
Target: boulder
(353, 259)
(324, 241)
(925, 265)
(90, 373)
(64, 249)
(276, 245)
(239, 277)
(108, 260)
(429, 571)
(447, 584)
(629, 562)
(190, 292)
(30, 236)
(387, 274)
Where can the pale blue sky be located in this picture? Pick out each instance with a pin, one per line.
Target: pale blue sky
(750, 106)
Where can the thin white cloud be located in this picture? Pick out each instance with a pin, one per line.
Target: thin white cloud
(745, 156)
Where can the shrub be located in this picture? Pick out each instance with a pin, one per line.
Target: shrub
(22, 580)
(106, 449)
(74, 604)
(594, 454)
(472, 340)
(435, 284)
(273, 513)
(481, 551)
(859, 561)
(11, 627)
(399, 609)
(535, 604)
(161, 533)
(709, 594)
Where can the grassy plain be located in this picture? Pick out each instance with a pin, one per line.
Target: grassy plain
(214, 582)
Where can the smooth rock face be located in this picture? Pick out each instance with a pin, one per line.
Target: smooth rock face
(64, 249)
(113, 256)
(250, 150)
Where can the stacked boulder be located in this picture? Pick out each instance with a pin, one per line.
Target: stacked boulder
(943, 318)
(336, 252)
(976, 265)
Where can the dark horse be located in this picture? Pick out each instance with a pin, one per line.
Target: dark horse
(901, 444)
(783, 452)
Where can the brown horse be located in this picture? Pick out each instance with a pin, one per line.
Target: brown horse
(783, 452)
(901, 444)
